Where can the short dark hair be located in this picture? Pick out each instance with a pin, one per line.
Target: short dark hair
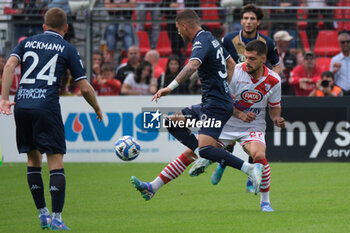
(253, 8)
(188, 16)
(327, 74)
(257, 46)
(55, 18)
(140, 68)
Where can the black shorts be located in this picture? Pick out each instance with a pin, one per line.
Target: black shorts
(211, 113)
(39, 130)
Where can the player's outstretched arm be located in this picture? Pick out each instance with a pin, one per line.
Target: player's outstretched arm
(161, 92)
(275, 115)
(89, 95)
(9, 70)
(184, 74)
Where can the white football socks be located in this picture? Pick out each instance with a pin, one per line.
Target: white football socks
(265, 196)
(245, 167)
(157, 183)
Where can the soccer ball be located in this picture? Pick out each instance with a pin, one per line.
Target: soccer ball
(127, 148)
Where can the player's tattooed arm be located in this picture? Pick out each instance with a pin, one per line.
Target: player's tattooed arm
(187, 71)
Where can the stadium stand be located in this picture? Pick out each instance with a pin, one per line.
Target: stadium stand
(144, 43)
(327, 43)
(304, 40)
(211, 15)
(301, 14)
(342, 14)
(163, 44)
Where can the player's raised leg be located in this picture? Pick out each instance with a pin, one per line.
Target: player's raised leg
(170, 172)
(57, 190)
(36, 186)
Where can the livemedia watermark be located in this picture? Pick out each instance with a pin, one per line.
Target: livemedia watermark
(159, 119)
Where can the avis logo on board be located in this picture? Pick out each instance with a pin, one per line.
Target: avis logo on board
(252, 96)
(86, 126)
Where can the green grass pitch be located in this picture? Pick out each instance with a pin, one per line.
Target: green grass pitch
(307, 197)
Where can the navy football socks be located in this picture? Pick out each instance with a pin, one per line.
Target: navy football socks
(36, 186)
(221, 156)
(57, 189)
(183, 135)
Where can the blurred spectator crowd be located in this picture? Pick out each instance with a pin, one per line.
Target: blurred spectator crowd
(140, 50)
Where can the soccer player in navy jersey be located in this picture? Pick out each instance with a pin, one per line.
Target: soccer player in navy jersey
(215, 66)
(39, 128)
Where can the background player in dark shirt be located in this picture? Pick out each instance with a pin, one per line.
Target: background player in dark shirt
(235, 42)
(39, 128)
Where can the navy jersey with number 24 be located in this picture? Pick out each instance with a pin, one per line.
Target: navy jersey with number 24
(212, 71)
(44, 60)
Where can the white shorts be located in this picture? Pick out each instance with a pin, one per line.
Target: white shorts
(243, 136)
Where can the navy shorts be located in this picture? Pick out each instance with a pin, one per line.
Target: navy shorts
(39, 130)
(211, 113)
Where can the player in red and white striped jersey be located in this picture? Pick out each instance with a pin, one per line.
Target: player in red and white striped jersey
(255, 87)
